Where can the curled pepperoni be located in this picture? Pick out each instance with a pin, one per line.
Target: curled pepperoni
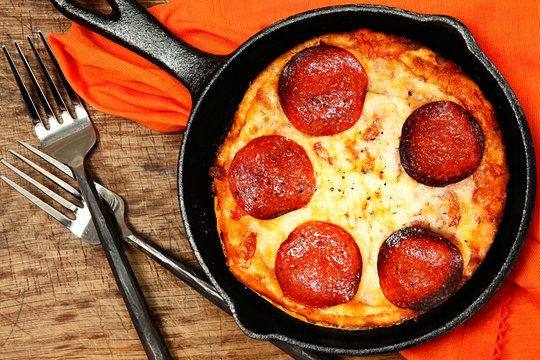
(271, 176)
(418, 268)
(441, 143)
(322, 90)
(319, 265)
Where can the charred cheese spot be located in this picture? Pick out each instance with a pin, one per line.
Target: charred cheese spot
(321, 152)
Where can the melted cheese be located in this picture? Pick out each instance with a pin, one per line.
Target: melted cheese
(361, 186)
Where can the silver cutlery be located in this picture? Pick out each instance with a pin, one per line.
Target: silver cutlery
(80, 225)
(69, 139)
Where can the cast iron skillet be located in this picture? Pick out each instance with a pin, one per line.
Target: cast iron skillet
(217, 84)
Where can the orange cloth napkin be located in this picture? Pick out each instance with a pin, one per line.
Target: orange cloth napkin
(119, 82)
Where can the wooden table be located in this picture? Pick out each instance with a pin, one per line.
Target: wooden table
(58, 299)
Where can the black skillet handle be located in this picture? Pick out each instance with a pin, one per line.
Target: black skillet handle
(132, 26)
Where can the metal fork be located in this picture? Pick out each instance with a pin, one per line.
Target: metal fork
(69, 141)
(80, 223)
(83, 228)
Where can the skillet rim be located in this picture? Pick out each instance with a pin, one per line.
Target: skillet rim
(529, 191)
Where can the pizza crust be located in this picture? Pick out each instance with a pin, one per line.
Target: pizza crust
(361, 185)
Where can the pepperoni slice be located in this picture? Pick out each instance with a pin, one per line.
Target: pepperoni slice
(319, 265)
(418, 268)
(322, 90)
(271, 176)
(441, 143)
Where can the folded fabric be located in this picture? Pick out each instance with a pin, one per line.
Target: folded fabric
(118, 82)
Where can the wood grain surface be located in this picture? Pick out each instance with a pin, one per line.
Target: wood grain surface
(58, 299)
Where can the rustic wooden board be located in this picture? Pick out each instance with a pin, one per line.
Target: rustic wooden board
(58, 299)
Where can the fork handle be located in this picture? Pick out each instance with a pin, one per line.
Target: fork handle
(147, 330)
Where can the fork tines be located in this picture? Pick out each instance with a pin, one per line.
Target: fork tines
(52, 120)
(68, 205)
